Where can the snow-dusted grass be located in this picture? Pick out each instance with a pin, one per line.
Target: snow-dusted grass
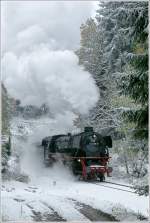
(56, 191)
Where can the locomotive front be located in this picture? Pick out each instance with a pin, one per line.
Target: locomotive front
(92, 157)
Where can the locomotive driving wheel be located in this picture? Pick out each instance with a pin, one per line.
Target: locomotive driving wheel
(101, 177)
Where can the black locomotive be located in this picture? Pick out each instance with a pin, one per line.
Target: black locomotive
(86, 153)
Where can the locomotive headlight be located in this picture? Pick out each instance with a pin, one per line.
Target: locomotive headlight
(78, 160)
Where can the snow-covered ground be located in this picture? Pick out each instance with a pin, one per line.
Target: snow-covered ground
(53, 193)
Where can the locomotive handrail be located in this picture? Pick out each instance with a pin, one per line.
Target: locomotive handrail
(90, 157)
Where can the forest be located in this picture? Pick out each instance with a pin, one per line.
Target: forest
(114, 49)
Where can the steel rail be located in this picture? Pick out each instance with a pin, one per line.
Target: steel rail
(102, 185)
(119, 184)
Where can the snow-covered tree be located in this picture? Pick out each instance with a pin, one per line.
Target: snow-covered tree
(5, 110)
(134, 81)
(6, 116)
(91, 56)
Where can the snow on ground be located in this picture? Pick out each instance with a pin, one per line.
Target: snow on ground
(53, 193)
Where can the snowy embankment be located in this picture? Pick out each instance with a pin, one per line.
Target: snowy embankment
(53, 194)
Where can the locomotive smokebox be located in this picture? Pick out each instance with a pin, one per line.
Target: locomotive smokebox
(88, 129)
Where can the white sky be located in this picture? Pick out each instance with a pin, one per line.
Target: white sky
(25, 23)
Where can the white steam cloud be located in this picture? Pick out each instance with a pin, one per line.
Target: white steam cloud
(51, 77)
(38, 64)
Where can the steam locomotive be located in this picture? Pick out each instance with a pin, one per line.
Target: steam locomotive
(86, 153)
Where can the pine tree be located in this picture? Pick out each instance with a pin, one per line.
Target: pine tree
(5, 111)
(135, 78)
(135, 85)
(6, 116)
(125, 27)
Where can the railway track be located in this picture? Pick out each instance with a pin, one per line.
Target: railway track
(120, 184)
(115, 188)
